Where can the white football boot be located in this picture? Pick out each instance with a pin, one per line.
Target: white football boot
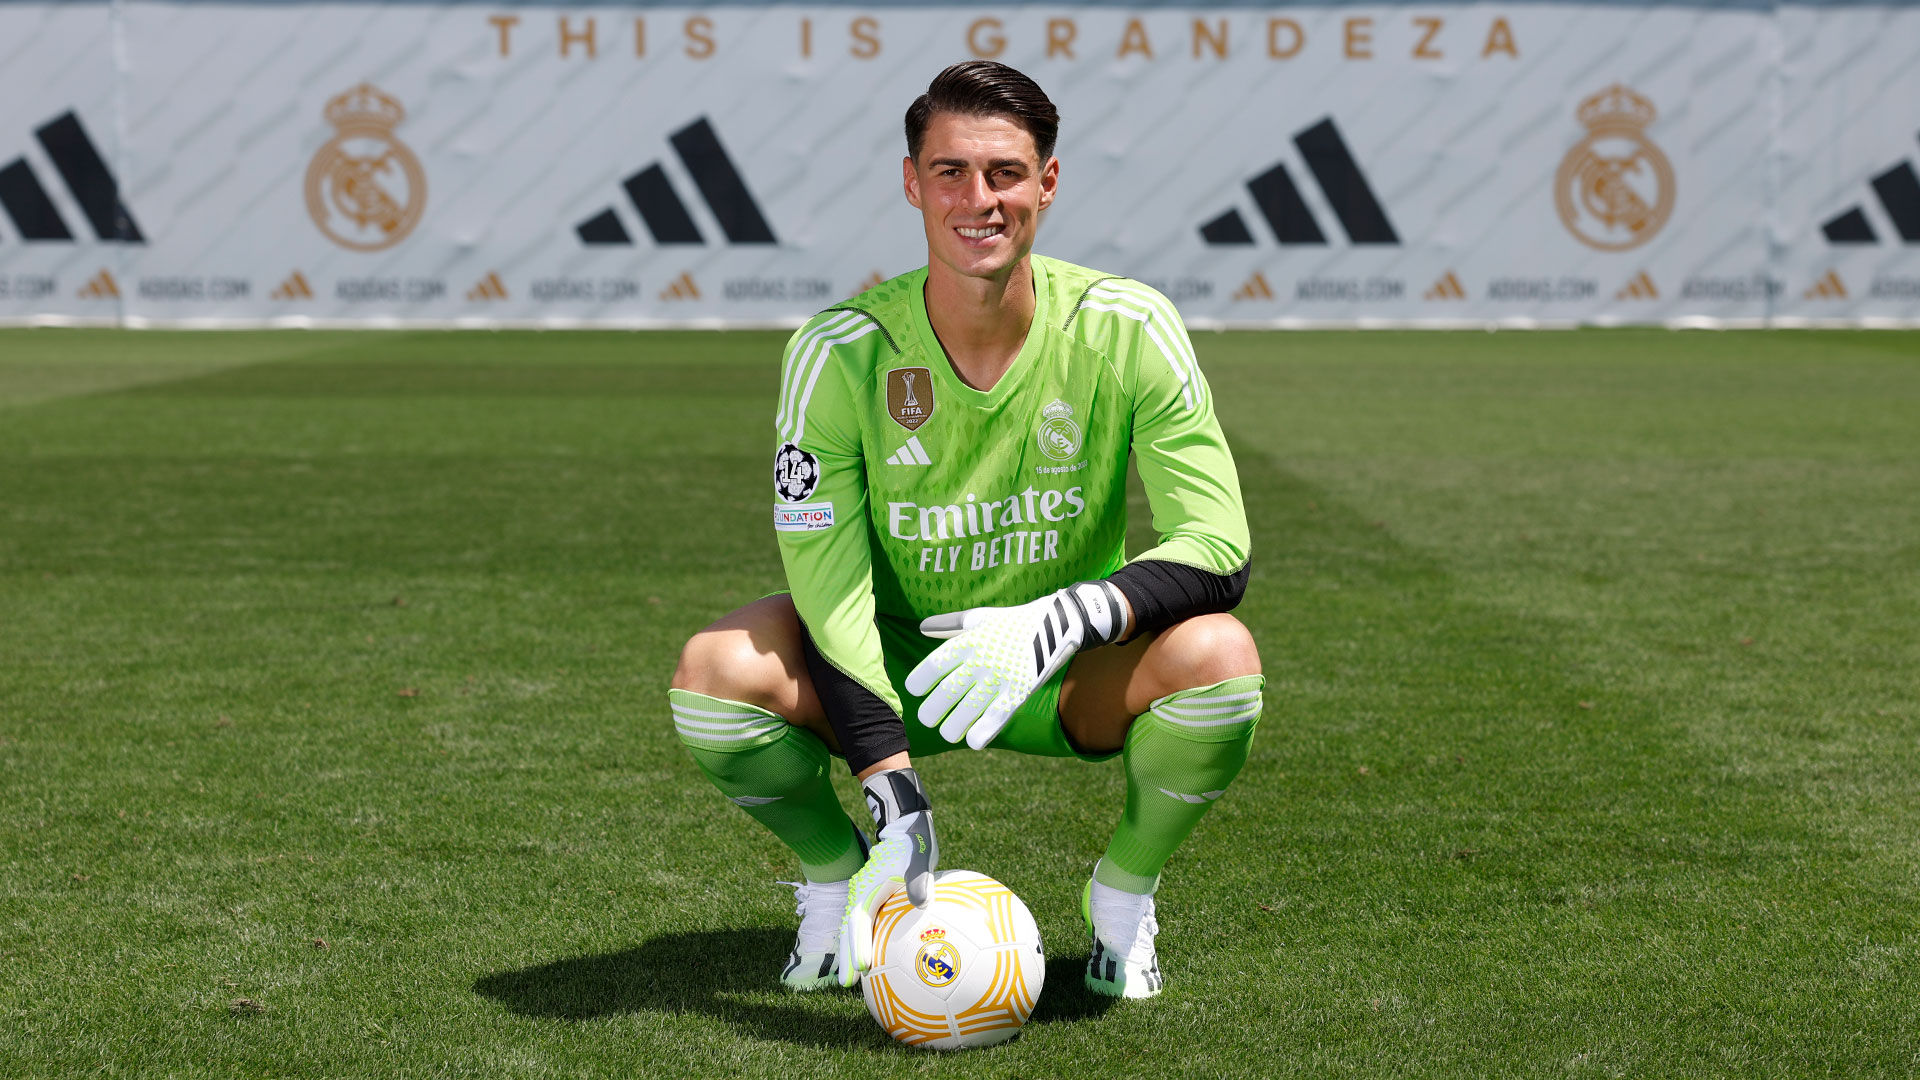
(821, 906)
(1123, 963)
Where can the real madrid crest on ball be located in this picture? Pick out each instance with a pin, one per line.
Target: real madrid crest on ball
(365, 189)
(1059, 436)
(795, 473)
(1615, 188)
(938, 962)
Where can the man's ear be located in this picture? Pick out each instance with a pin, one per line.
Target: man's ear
(1049, 181)
(910, 181)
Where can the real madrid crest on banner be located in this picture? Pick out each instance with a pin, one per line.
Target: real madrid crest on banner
(365, 189)
(1615, 188)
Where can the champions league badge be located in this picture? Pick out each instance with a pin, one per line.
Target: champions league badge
(365, 188)
(795, 473)
(1059, 436)
(1615, 188)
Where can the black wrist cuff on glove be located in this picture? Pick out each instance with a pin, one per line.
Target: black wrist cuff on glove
(894, 794)
(1103, 611)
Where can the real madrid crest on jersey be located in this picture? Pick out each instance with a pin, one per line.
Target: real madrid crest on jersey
(1059, 436)
(1615, 188)
(365, 189)
(910, 396)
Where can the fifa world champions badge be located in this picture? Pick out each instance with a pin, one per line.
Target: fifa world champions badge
(365, 188)
(910, 396)
(1615, 189)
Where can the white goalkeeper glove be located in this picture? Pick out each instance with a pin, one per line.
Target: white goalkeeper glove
(903, 858)
(995, 656)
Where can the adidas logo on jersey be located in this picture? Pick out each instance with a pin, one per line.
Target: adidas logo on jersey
(911, 454)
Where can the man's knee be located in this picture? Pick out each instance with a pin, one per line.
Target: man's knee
(1106, 688)
(1204, 650)
(717, 663)
(753, 656)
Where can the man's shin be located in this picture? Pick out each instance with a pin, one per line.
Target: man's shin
(1180, 756)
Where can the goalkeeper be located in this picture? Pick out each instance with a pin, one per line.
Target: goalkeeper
(950, 504)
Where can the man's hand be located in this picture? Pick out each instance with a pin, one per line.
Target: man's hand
(903, 858)
(995, 656)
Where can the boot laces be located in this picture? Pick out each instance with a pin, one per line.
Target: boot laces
(820, 907)
(1125, 923)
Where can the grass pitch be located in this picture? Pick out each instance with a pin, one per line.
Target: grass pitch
(333, 737)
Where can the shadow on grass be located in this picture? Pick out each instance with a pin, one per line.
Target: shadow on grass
(1066, 998)
(728, 975)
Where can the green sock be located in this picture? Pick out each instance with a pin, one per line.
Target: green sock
(1180, 756)
(774, 771)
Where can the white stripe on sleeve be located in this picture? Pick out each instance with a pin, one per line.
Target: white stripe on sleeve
(867, 326)
(798, 358)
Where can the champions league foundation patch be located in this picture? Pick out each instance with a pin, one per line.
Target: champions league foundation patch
(803, 518)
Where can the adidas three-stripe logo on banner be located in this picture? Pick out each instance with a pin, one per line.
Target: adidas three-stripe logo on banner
(1829, 287)
(1898, 190)
(88, 180)
(294, 288)
(911, 454)
(664, 214)
(100, 286)
(1278, 199)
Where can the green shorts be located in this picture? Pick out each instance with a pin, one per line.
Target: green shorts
(1034, 729)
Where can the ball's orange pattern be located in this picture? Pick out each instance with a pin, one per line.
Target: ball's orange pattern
(1008, 1000)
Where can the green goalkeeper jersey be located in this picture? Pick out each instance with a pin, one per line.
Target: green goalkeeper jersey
(901, 492)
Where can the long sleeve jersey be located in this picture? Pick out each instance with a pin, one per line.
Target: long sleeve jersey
(901, 492)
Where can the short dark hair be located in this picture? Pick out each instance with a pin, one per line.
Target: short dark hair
(985, 88)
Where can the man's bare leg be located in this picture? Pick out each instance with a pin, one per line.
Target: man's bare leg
(1106, 688)
(753, 654)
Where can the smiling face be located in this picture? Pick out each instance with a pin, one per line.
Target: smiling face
(979, 185)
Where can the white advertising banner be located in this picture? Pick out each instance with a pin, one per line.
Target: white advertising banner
(459, 163)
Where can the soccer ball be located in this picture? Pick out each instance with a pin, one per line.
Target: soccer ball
(963, 971)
